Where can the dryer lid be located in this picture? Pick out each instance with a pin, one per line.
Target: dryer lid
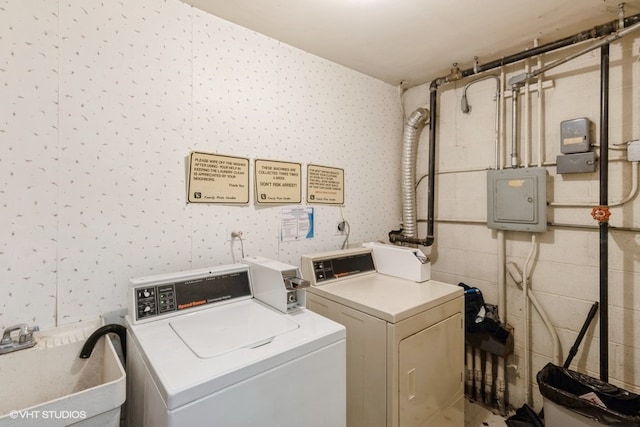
(210, 333)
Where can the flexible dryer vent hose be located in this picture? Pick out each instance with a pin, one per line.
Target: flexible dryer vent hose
(412, 128)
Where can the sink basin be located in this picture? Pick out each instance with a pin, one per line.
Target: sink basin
(49, 385)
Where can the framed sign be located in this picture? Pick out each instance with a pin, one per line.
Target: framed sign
(215, 178)
(278, 182)
(325, 185)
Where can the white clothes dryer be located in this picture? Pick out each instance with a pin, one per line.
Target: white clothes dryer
(203, 352)
(405, 340)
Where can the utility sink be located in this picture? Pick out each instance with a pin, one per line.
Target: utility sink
(49, 385)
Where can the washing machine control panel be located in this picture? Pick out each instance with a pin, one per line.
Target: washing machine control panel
(171, 294)
(155, 300)
(325, 268)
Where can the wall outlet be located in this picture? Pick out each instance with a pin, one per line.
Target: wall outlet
(235, 234)
(340, 228)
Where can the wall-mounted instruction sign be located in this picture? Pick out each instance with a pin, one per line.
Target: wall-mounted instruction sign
(325, 185)
(215, 178)
(278, 182)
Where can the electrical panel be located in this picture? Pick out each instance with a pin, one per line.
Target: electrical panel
(517, 199)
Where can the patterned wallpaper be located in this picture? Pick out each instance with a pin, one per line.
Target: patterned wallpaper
(103, 102)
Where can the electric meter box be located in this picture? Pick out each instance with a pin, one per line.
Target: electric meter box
(576, 163)
(517, 199)
(575, 136)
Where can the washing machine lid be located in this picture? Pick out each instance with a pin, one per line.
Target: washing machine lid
(211, 333)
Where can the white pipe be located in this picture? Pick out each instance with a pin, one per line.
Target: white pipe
(478, 375)
(497, 122)
(514, 126)
(632, 193)
(525, 124)
(523, 279)
(554, 335)
(503, 109)
(540, 112)
(517, 277)
(500, 387)
(469, 376)
(525, 293)
(502, 294)
(488, 380)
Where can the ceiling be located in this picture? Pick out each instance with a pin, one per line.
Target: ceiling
(415, 41)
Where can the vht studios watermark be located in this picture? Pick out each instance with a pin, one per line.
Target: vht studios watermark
(48, 415)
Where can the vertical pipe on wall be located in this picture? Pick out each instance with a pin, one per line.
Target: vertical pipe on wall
(488, 380)
(514, 129)
(503, 109)
(469, 365)
(478, 375)
(502, 260)
(604, 224)
(540, 112)
(525, 119)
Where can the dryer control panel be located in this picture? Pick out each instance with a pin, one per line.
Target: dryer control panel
(326, 267)
(167, 294)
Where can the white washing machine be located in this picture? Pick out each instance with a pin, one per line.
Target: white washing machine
(405, 339)
(203, 352)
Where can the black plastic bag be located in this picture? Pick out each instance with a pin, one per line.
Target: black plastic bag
(564, 387)
(481, 317)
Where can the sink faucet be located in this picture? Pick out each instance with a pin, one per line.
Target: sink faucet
(25, 338)
(114, 328)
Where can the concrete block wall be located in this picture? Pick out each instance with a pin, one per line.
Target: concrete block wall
(565, 275)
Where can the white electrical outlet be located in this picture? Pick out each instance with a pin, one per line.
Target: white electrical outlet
(340, 228)
(234, 234)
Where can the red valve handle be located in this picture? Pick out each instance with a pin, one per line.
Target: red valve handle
(601, 213)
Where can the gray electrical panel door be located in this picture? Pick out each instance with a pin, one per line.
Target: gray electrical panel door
(517, 199)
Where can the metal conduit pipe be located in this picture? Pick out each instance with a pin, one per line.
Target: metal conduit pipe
(593, 33)
(466, 109)
(514, 126)
(604, 41)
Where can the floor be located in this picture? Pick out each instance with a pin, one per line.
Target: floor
(478, 416)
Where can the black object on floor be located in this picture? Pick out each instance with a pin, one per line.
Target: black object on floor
(524, 417)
